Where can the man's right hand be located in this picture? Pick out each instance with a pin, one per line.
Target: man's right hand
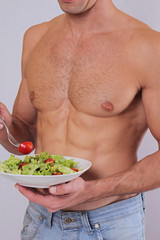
(7, 117)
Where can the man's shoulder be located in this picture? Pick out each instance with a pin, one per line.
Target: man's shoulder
(146, 52)
(147, 46)
(35, 33)
(143, 50)
(144, 42)
(39, 30)
(139, 31)
(142, 35)
(147, 36)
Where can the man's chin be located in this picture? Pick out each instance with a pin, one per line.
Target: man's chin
(69, 7)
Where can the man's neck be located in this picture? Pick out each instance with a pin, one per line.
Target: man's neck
(91, 20)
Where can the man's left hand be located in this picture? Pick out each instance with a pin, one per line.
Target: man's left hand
(60, 196)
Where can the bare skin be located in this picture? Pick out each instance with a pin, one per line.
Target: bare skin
(90, 89)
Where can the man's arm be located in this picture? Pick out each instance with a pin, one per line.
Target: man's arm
(144, 175)
(22, 121)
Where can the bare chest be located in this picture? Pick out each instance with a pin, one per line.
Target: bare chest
(94, 76)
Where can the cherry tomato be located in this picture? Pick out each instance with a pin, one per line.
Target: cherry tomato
(25, 147)
(23, 164)
(58, 173)
(75, 169)
(49, 160)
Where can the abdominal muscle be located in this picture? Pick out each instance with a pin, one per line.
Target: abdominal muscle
(99, 140)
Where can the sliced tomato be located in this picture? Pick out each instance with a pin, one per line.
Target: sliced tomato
(23, 164)
(58, 173)
(26, 147)
(75, 169)
(49, 160)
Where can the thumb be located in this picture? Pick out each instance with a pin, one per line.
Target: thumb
(5, 115)
(67, 188)
(61, 189)
(1, 124)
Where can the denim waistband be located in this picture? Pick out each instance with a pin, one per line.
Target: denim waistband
(91, 217)
(116, 209)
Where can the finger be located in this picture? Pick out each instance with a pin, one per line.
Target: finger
(31, 194)
(52, 210)
(61, 189)
(66, 188)
(35, 196)
(50, 202)
(5, 114)
(1, 126)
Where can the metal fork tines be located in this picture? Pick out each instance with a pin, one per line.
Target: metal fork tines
(11, 139)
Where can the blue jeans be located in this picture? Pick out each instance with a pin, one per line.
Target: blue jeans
(123, 220)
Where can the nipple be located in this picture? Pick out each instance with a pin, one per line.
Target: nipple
(107, 106)
(32, 96)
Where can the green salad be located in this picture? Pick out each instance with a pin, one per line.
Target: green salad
(41, 164)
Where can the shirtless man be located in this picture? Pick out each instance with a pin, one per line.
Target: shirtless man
(90, 88)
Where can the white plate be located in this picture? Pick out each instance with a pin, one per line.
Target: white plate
(47, 181)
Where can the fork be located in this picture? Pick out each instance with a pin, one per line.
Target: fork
(11, 139)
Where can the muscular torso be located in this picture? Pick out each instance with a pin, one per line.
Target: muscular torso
(88, 101)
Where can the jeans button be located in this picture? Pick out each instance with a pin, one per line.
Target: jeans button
(96, 225)
(40, 217)
(67, 220)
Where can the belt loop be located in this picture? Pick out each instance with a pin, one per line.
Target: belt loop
(143, 200)
(49, 220)
(86, 222)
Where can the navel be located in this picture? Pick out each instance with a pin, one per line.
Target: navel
(32, 95)
(107, 106)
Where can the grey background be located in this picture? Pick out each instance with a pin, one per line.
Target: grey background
(15, 18)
